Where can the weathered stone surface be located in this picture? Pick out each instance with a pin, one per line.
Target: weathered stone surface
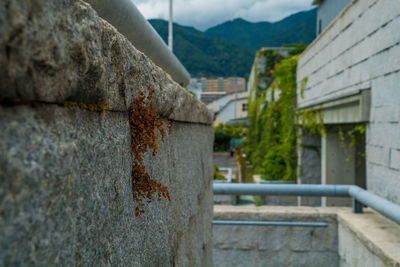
(309, 161)
(236, 237)
(280, 200)
(62, 51)
(233, 257)
(65, 173)
(275, 245)
(350, 239)
(66, 193)
(368, 240)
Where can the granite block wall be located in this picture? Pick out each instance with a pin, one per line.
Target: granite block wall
(350, 239)
(360, 50)
(244, 245)
(67, 80)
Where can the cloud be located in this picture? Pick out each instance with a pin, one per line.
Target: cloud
(203, 14)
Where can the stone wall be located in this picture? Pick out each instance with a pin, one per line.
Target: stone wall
(359, 50)
(367, 239)
(243, 245)
(309, 156)
(65, 171)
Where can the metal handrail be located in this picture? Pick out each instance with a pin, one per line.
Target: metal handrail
(359, 195)
(128, 20)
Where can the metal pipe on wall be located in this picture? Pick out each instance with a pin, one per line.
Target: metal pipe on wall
(381, 205)
(127, 19)
(281, 189)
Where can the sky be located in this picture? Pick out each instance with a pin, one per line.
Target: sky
(203, 14)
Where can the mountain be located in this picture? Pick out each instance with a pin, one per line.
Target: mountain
(228, 49)
(203, 55)
(296, 28)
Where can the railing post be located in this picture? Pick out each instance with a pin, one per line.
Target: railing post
(357, 206)
(360, 196)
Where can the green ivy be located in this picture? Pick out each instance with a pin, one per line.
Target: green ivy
(280, 160)
(224, 133)
(355, 135)
(217, 174)
(275, 125)
(257, 106)
(271, 141)
(311, 120)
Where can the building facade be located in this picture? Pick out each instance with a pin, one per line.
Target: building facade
(219, 84)
(353, 82)
(327, 11)
(230, 108)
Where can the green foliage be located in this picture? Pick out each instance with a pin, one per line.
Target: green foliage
(204, 55)
(355, 135)
(217, 174)
(245, 166)
(275, 125)
(190, 92)
(297, 48)
(280, 160)
(271, 141)
(311, 120)
(258, 109)
(224, 133)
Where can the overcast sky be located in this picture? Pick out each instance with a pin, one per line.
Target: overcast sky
(203, 14)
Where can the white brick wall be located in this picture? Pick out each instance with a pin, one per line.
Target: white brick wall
(378, 155)
(395, 159)
(361, 50)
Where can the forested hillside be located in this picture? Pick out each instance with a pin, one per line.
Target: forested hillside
(228, 49)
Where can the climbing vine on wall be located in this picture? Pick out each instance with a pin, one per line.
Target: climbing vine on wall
(311, 120)
(350, 138)
(262, 80)
(274, 125)
(280, 130)
(144, 123)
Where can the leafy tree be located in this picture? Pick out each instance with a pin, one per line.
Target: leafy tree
(224, 133)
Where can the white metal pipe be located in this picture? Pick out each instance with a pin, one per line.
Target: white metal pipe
(127, 19)
(381, 205)
(281, 189)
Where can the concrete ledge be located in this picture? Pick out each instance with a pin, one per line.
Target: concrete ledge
(271, 213)
(64, 52)
(378, 234)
